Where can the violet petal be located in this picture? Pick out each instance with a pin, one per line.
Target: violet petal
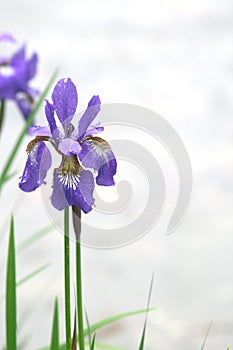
(97, 154)
(69, 146)
(72, 189)
(88, 116)
(38, 163)
(65, 100)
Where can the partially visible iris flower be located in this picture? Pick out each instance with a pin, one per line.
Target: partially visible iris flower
(78, 146)
(15, 73)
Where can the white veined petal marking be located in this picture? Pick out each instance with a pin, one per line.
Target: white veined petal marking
(32, 155)
(69, 180)
(100, 148)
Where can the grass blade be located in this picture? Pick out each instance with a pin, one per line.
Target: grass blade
(34, 237)
(93, 343)
(93, 328)
(11, 293)
(32, 274)
(55, 329)
(15, 149)
(10, 176)
(206, 335)
(88, 327)
(142, 342)
(112, 319)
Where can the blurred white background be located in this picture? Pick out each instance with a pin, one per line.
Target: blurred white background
(174, 57)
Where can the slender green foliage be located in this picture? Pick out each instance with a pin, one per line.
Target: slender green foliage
(142, 342)
(55, 329)
(32, 274)
(115, 318)
(18, 142)
(67, 278)
(11, 336)
(79, 296)
(9, 177)
(206, 335)
(93, 342)
(88, 327)
(98, 325)
(35, 237)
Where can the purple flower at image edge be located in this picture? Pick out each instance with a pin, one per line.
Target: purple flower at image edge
(15, 73)
(80, 149)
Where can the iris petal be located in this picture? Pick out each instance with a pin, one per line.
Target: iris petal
(65, 100)
(38, 163)
(19, 57)
(73, 189)
(97, 154)
(69, 146)
(39, 131)
(32, 66)
(49, 112)
(24, 105)
(88, 116)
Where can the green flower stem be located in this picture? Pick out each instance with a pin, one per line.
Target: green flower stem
(79, 295)
(67, 278)
(2, 113)
(76, 213)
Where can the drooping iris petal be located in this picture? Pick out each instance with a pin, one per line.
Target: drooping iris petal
(88, 116)
(106, 173)
(97, 154)
(73, 189)
(69, 146)
(39, 131)
(38, 163)
(65, 100)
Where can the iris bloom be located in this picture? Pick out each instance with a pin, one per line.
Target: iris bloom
(15, 74)
(80, 150)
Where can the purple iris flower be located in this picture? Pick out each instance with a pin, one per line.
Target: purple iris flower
(15, 74)
(80, 150)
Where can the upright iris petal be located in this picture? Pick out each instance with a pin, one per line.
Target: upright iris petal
(88, 116)
(65, 100)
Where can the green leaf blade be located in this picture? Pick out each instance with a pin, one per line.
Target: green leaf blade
(32, 274)
(11, 331)
(93, 343)
(206, 335)
(142, 341)
(55, 329)
(93, 328)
